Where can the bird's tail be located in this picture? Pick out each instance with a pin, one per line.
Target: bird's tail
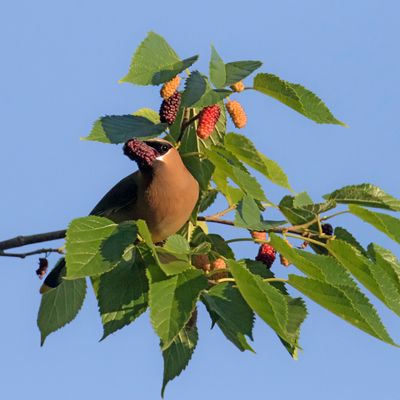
(54, 278)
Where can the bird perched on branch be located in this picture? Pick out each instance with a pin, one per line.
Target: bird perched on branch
(162, 192)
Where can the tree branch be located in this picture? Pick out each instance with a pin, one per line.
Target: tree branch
(20, 241)
(30, 253)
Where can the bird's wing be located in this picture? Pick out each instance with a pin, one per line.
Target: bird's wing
(123, 194)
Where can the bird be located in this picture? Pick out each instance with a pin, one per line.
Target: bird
(162, 192)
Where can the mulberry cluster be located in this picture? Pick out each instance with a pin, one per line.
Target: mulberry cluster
(207, 120)
(170, 87)
(42, 270)
(169, 108)
(266, 254)
(237, 87)
(236, 113)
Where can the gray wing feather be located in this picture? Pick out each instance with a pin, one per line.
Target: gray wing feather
(123, 194)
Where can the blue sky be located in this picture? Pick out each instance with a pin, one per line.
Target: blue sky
(60, 65)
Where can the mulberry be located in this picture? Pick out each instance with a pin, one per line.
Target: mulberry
(169, 88)
(208, 118)
(327, 229)
(266, 254)
(237, 87)
(169, 108)
(201, 261)
(236, 113)
(217, 264)
(42, 270)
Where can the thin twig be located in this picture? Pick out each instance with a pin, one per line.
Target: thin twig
(30, 253)
(222, 213)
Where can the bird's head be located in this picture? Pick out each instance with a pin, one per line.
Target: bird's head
(149, 153)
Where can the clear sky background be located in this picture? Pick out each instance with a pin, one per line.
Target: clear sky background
(60, 63)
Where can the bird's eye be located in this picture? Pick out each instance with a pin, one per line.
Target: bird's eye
(164, 148)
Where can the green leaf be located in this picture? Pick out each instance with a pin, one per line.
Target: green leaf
(238, 70)
(248, 216)
(207, 199)
(295, 216)
(201, 169)
(245, 150)
(217, 69)
(120, 128)
(297, 313)
(302, 199)
(198, 92)
(122, 295)
(387, 261)
(177, 244)
(383, 222)
(178, 354)
(83, 247)
(242, 178)
(334, 300)
(148, 113)
(234, 317)
(232, 194)
(296, 97)
(195, 87)
(267, 301)
(115, 245)
(155, 62)
(346, 236)
(366, 195)
(172, 263)
(172, 301)
(60, 306)
(335, 290)
(371, 275)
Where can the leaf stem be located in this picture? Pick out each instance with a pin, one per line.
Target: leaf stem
(275, 280)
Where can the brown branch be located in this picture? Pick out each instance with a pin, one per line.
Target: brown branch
(30, 253)
(20, 241)
(216, 220)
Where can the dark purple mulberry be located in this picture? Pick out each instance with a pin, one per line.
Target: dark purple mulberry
(169, 108)
(327, 229)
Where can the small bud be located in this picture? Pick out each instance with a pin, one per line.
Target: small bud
(237, 87)
(259, 235)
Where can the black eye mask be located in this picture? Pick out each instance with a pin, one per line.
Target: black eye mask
(160, 147)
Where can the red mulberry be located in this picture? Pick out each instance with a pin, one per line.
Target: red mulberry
(207, 120)
(266, 254)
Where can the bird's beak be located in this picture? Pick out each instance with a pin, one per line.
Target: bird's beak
(140, 152)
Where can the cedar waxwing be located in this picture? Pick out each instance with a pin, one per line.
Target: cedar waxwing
(162, 192)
